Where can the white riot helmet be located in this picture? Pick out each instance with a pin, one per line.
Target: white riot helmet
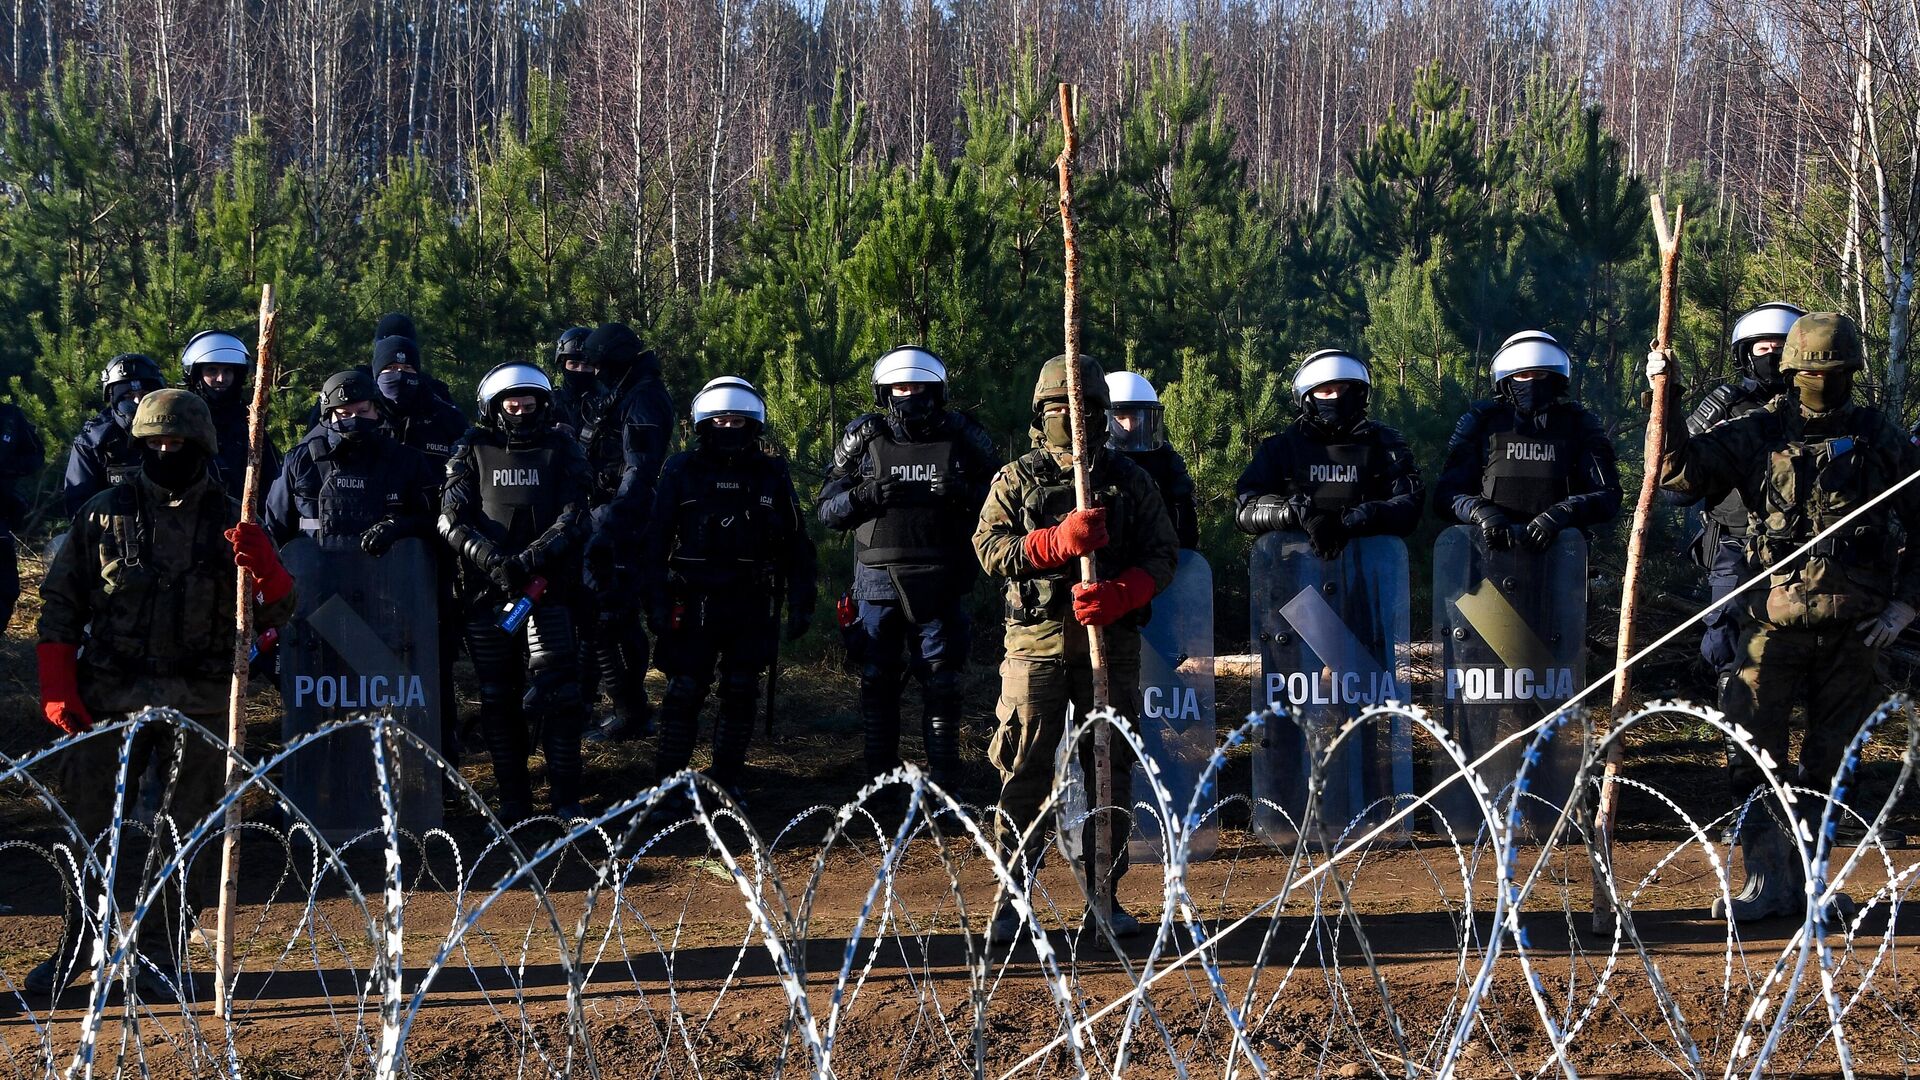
(1136, 421)
(1531, 350)
(729, 396)
(214, 347)
(513, 380)
(910, 364)
(1770, 320)
(1329, 365)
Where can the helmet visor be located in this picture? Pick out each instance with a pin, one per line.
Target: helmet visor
(1135, 428)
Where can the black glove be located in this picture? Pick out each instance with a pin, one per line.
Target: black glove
(870, 493)
(510, 574)
(379, 537)
(944, 486)
(1541, 532)
(1267, 513)
(1326, 533)
(1496, 531)
(600, 569)
(798, 620)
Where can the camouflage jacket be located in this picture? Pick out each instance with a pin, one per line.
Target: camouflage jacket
(1035, 491)
(1798, 475)
(144, 582)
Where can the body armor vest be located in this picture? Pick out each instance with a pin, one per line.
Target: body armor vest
(922, 529)
(1332, 475)
(520, 491)
(1808, 486)
(352, 495)
(1527, 470)
(728, 527)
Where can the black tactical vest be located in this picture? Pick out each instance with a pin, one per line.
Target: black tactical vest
(1332, 475)
(727, 526)
(1528, 470)
(352, 496)
(922, 529)
(520, 490)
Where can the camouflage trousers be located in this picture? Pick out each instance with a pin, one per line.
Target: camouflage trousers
(1829, 670)
(1032, 710)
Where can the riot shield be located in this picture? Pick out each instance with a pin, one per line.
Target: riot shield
(1511, 629)
(1333, 638)
(1175, 711)
(364, 639)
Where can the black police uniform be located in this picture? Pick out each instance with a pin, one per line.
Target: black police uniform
(102, 456)
(914, 567)
(1722, 543)
(22, 454)
(521, 500)
(624, 431)
(1170, 475)
(1362, 480)
(1557, 461)
(725, 528)
(337, 487)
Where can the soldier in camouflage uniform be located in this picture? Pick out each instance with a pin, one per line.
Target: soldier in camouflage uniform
(1031, 536)
(1802, 462)
(138, 611)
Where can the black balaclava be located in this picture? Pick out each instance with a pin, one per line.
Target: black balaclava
(728, 443)
(225, 398)
(1533, 396)
(1338, 414)
(581, 384)
(402, 387)
(175, 470)
(915, 410)
(124, 405)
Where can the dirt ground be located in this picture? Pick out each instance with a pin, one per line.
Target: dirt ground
(1365, 968)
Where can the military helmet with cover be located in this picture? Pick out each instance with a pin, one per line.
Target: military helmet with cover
(180, 413)
(1052, 383)
(1823, 341)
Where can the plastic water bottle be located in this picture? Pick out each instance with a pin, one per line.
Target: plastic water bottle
(514, 615)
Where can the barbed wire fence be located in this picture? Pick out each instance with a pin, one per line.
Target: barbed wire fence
(667, 937)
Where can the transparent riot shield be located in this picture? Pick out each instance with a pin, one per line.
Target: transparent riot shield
(1511, 633)
(1175, 711)
(1333, 638)
(364, 639)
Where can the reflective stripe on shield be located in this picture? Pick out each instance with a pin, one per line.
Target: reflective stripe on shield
(1333, 639)
(1511, 633)
(365, 639)
(1176, 708)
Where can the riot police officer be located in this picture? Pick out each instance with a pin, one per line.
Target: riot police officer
(1136, 427)
(1529, 462)
(215, 365)
(1758, 337)
(626, 422)
(22, 454)
(1333, 473)
(514, 510)
(349, 479)
(908, 481)
(102, 454)
(137, 610)
(1813, 635)
(579, 380)
(724, 531)
(1031, 536)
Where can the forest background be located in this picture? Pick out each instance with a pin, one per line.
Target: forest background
(786, 190)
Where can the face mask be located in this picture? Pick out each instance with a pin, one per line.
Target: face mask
(726, 440)
(910, 407)
(174, 470)
(354, 428)
(1766, 369)
(526, 423)
(580, 383)
(1337, 413)
(123, 411)
(1534, 395)
(398, 387)
(1825, 392)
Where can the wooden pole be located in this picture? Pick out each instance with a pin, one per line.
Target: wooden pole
(1083, 500)
(242, 650)
(1669, 236)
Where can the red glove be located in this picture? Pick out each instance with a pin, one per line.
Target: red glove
(1100, 603)
(1081, 532)
(60, 687)
(254, 553)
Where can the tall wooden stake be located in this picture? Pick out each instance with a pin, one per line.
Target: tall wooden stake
(242, 654)
(1669, 236)
(1102, 901)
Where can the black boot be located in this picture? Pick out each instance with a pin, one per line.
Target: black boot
(1775, 884)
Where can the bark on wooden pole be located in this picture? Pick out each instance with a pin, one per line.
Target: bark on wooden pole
(242, 656)
(1609, 801)
(1101, 901)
